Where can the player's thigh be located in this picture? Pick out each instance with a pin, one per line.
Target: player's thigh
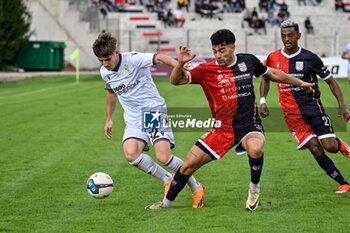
(315, 147)
(322, 125)
(195, 159)
(134, 142)
(330, 144)
(162, 148)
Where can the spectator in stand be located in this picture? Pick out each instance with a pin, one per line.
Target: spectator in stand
(242, 4)
(205, 9)
(235, 5)
(271, 5)
(170, 18)
(273, 20)
(227, 7)
(263, 5)
(301, 2)
(254, 13)
(308, 26)
(338, 4)
(314, 2)
(247, 17)
(183, 3)
(179, 19)
(284, 10)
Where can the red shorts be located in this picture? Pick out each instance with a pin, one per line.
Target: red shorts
(305, 128)
(217, 143)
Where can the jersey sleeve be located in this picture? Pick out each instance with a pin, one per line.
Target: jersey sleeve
(197, 74)
(104, 76)
(260, 68)
(319, 68)
(142, 59)
(268, 61)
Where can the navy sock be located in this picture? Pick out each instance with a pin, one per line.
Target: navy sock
(256, 166)
(177, 184)
(329, 167)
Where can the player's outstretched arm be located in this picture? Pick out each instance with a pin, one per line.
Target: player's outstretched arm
(178, 75)
(111, 100)
(281, 77)
(161, 58)
(264, 90)
(334, 86)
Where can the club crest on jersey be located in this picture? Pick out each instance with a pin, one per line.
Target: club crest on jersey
(126, 68)
(299, 65)
(242, 67)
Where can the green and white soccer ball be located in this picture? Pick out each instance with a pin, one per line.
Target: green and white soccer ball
(99, 185)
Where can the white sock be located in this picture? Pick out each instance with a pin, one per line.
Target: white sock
(174, 164)
(254, 186)
(167, 203)
(146, 164)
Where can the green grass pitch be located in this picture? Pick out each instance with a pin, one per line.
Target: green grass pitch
(51, 141)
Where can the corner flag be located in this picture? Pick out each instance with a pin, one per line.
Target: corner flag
(75, 56)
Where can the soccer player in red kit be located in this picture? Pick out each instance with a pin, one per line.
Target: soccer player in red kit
(303, 110)
(228, 85)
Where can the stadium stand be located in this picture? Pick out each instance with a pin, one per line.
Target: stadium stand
(138, 30)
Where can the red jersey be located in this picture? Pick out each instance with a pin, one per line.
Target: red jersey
(230, 90)
(303, 65)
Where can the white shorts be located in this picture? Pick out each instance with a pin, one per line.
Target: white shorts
(133, 131)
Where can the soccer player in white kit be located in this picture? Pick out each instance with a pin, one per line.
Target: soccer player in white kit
(128, 79)
(346, 55)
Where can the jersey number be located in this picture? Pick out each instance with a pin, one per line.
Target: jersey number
(327, 121)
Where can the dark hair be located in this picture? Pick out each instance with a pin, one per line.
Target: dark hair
(290, 24)
(223, 36)
(104, 45)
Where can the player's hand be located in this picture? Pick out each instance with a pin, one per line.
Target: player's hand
(344, 113)
(306, 85)
(264, 110)
(108, 129)
(185, 55)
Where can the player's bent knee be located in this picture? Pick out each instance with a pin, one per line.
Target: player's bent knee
(131, 154)
(333, 148)
(255, 153)
(163, 157)
(187, 170)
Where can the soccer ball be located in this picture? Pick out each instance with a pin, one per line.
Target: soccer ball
(99, 185)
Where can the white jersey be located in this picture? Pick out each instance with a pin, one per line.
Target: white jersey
(347, 51)
(132, 82)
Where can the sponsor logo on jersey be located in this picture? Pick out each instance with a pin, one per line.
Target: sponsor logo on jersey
(121, 89)
(242, 67)
(224, 80)
(299, 65)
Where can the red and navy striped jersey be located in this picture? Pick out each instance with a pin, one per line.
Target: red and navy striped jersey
(303, 65)
(230, 90)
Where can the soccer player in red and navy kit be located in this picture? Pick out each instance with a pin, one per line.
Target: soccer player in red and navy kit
(303, 110)
(228, 85)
